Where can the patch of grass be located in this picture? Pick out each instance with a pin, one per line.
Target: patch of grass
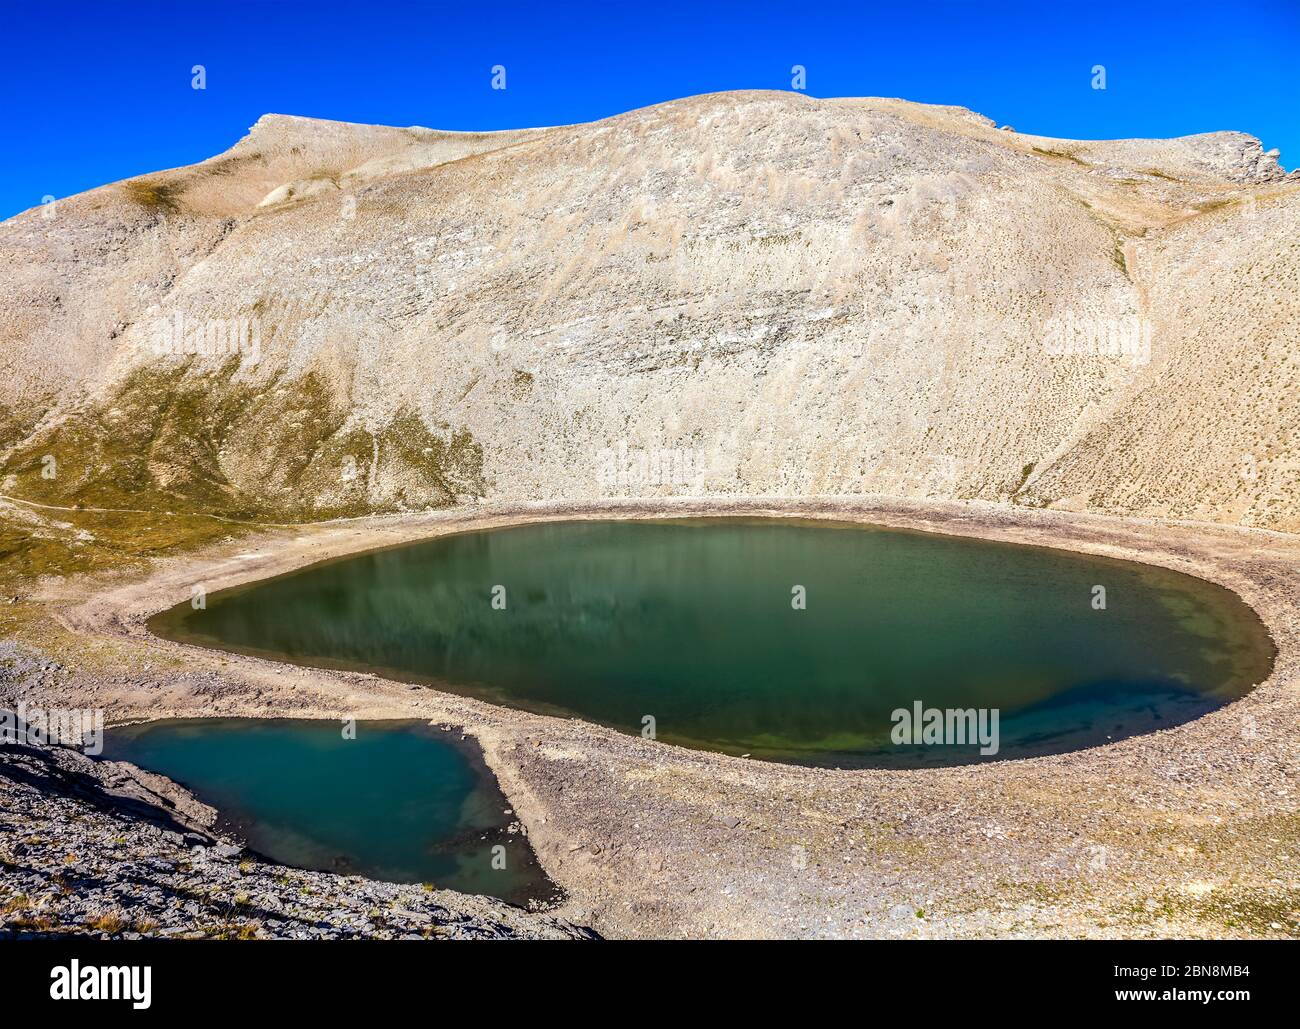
(231, 931)
(324, 175)
(448, 466)
(1206, 206)
(296, 443)
(110, 922)
(115, 540)
(521, 383)
(173, 460)
(1060, 155)
(15, 424)
(32, 923)
(156, 195)
(1231, 908)
(228, 165)
(154, 445)
(775, 239)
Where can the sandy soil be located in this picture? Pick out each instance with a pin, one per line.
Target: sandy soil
(1193, 831)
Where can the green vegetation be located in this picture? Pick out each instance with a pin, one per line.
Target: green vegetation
(231, 930)
(169, 443)
(154, 447)
(154, 194)
(1157, 173)
(775, 239)
(91, 541)
(110, 923)
(173, 460)
(15, 424)
(521, 384)
(323, 174)
(1205, 206)
(1234, 908)
(1060, 155)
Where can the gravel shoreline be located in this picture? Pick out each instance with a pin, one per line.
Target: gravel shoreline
(1192, 831)
(103, 848)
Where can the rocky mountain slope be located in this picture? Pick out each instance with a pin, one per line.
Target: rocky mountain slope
(104, 848)
(741, 293)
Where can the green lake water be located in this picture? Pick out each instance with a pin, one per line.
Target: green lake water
(401, 802)
(691, 623)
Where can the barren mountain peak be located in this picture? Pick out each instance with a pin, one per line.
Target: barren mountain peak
(751, 514)
(936, 306)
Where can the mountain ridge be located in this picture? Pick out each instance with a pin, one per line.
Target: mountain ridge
(811, 297)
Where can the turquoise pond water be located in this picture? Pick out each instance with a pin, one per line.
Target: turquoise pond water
(402, 802)
(691, 623)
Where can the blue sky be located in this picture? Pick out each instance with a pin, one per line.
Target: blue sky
(93, 93)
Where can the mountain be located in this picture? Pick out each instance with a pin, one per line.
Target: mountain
(740, 293)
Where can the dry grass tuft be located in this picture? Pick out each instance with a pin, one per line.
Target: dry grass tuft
(154, 195)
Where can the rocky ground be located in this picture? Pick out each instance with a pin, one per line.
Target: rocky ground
(811, 297)
(1189, 832)
(852, 308)
(104, 848)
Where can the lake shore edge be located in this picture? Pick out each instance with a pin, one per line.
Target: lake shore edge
(1133, 838)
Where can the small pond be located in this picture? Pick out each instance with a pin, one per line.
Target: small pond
(401, 802)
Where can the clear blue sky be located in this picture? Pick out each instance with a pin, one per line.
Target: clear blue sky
(93, 93)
